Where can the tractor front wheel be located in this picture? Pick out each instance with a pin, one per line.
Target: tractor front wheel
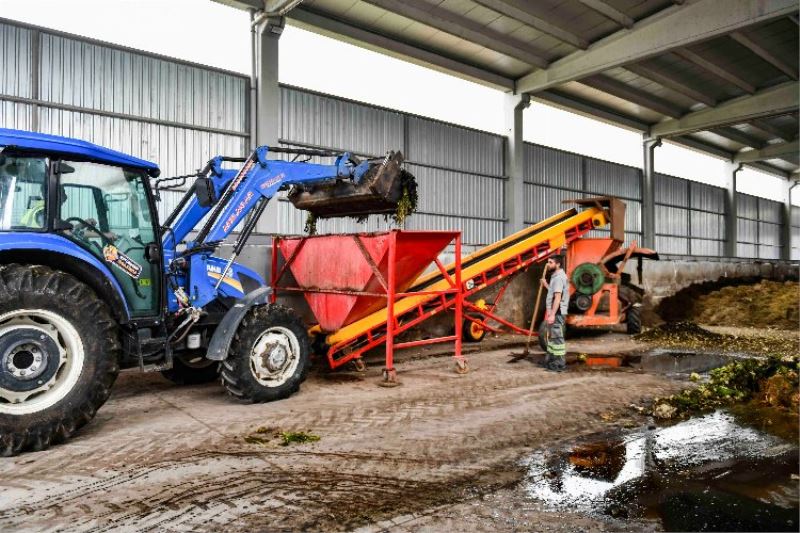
(59, 349)
(269, 355)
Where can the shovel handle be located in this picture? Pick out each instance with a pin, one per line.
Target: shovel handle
(536, 309)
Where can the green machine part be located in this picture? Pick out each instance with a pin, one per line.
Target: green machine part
(587, 278)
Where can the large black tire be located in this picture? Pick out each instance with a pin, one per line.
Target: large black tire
(62, 322)
(263, 333)
(192, 370)
(633, 315)
(633, 320)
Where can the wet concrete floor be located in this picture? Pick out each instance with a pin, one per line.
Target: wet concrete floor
(716, 472)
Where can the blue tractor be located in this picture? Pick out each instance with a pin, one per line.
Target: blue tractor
(91, 282)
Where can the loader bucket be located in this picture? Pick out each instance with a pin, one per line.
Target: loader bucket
(379, 192)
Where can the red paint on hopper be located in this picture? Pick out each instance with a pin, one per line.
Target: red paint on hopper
(356, 267)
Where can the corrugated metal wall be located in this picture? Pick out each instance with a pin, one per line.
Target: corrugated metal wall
(690, 217)
(151, 107)
(552, 176)
(759, 224)
(459, 170)
(180, 115)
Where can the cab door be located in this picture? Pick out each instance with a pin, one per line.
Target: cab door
(106, 210)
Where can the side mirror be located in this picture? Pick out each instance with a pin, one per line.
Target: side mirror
(204, 192)
(151, 253)
(63, 168)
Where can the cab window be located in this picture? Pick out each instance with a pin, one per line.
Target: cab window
(23, 193)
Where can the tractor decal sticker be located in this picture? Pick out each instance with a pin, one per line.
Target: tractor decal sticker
(272, 181)
(239, 209)
(215, 272)
(122, 261)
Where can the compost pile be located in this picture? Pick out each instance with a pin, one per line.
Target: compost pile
(688, 335)
(771, 382)
(770, 304)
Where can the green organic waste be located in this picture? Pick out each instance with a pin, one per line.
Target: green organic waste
(296, 437)
(691, 336)
(406, 206)
(311, 224)
(266, 436)
(772, 381)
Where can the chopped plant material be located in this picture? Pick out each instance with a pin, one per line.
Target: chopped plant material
(766, 304)
(408, 201)
(689, 335)
(311, 224)
(267, 435)
(296, 437)
(772, 382)
(255, 439)
(406, 206)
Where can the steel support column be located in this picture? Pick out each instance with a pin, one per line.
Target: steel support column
(648, 192)
(731, 210)
(266, 107)
(514, 162)
(786, 220)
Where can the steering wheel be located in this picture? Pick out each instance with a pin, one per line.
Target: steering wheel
(92, 227)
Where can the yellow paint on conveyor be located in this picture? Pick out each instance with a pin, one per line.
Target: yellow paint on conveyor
(490, 256)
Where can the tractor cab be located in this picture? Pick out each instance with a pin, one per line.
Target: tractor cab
(98, 204)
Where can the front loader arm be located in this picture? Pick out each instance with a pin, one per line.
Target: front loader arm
(260, 179)
(245, 192)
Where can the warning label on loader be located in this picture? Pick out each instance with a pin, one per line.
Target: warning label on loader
(122, 261)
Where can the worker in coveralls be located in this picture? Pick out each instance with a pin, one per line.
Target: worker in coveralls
(556, 304)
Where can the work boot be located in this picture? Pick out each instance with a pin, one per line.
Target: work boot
(557, 364)
(545, 363)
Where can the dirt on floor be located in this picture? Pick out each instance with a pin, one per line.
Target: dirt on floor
(767, 304)
(441, 447)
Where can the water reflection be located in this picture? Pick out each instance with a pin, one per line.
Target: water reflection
(700, 474)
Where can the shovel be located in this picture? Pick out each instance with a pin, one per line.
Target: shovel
(526, 352)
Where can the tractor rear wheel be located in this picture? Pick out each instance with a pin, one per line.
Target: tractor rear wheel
(192, 369)
(269, 355)
(59, 351)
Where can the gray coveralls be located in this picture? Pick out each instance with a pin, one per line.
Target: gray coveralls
(556, 345)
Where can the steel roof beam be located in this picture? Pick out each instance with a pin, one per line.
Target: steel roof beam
(716, 69)
(771, 151)
(739, 136)
(460, 26)
(589, 109)
(631, 94)
(765, 54)
(609, 12)
(665, 80)
(667, 30)
(531, 15)
(776, 100)
(768, 128)
(303, 17)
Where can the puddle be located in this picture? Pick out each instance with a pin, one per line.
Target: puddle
(682, 362)
(710, 473)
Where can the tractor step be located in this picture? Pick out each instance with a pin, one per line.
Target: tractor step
(378, 192)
